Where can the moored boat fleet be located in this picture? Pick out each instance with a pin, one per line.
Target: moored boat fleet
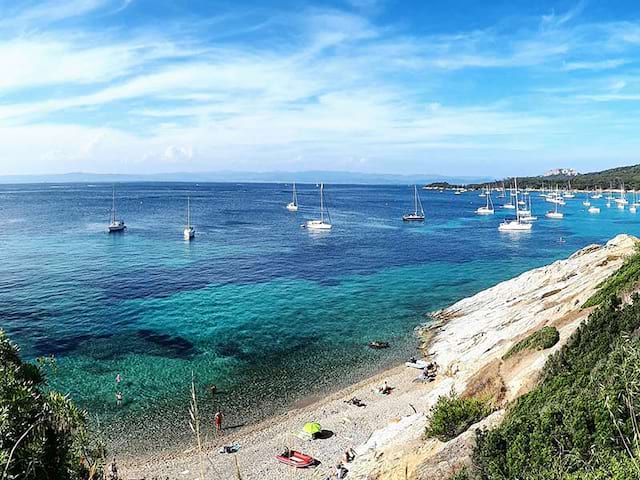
(516, 200)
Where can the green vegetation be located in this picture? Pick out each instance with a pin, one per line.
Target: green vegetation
(42, 433)
(614, 176)
(624, 278)
(542, 339)
(461, 475)
(452, 415)
(581, 421)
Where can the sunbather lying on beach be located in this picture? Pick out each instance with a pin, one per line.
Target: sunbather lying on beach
(356, 402)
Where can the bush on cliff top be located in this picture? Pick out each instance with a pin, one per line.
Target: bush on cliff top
(625, 277)
(580, 422)
(452, 415)
(541, 339)
(42, 433)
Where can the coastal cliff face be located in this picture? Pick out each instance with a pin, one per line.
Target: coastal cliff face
(468, 341)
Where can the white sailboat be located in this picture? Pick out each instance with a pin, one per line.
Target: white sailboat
(189, 232)
(633, 207)
(115, 225)
(569, 193)
(555, 214)
(587, 202)
(320, 224)
(418, 211)
(622, 201)
(293, 205)
(488, 208)
(593, 209)
(517, 225)
(511, 205)
(527, 215)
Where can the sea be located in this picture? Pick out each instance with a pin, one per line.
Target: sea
(269, 313)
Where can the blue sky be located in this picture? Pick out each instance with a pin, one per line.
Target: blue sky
(457, 87)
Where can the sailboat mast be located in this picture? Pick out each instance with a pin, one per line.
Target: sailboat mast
(415, 200)
(515, 181)
(321, 202)
(113, 205)
(188, 212)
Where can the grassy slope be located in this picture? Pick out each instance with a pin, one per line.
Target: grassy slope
(580, 422)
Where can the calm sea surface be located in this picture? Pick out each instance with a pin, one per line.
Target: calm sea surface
(267, 311)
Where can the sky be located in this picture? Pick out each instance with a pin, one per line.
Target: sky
(461, 87)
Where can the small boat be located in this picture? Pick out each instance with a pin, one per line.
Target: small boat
(593, 210)
(115, 225)
(418, 211)
(622, 201)
(293, 205)
(555, 214)
(189, 231)
(320, 224)
(378, 345)
(296, 459)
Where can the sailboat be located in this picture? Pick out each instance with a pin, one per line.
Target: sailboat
(517, 225)
(527, 215)
(320, 224)
(488, 208)
(634, 205)
(189, 231)
(115, 225)
(587, 202)
(569, 193)
(418, 211)
(554, 213)
(293, 205)
(622, 201)
(511, 205)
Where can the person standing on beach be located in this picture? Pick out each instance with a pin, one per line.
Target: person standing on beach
(119, 398)
(118, 378)
(217, 421)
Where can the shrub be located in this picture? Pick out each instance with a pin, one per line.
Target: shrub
(452, 415)
(580, 422)
(626, 276)
(542, 339)
(42, 433)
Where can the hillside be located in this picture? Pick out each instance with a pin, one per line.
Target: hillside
(630, 175)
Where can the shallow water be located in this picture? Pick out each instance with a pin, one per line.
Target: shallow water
(258, 306)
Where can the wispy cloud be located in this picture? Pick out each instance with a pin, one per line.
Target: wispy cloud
(265, 88)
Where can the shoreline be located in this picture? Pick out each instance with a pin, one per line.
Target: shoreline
(467, 339)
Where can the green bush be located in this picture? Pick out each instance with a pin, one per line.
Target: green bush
(452, 415)
(625, 277)
(42, 433)
(576, 423)
(541, 339)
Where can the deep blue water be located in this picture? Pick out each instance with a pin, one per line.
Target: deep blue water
(266, 310)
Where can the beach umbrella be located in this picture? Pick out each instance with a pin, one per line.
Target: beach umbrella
(312, 428)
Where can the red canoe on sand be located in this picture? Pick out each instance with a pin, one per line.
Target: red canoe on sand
(296, 459)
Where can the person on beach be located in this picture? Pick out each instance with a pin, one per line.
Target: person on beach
(348, 455)
(113, 470)
(341, 472)
(119, 398)
(217, 421)
(384, 389)
(118, 378)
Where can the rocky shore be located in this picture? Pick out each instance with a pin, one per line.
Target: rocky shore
(468, 341)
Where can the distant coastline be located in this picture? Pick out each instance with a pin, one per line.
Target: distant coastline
(315, 176)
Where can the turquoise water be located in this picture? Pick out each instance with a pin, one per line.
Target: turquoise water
(265, 310)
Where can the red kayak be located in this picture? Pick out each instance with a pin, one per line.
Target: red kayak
(296, 459)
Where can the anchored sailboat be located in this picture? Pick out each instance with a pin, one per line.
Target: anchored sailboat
(418, 211)
(488, 208)
(189, 231)
(320, 224)
(293, 205)
(115, 225)
(517, 225)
